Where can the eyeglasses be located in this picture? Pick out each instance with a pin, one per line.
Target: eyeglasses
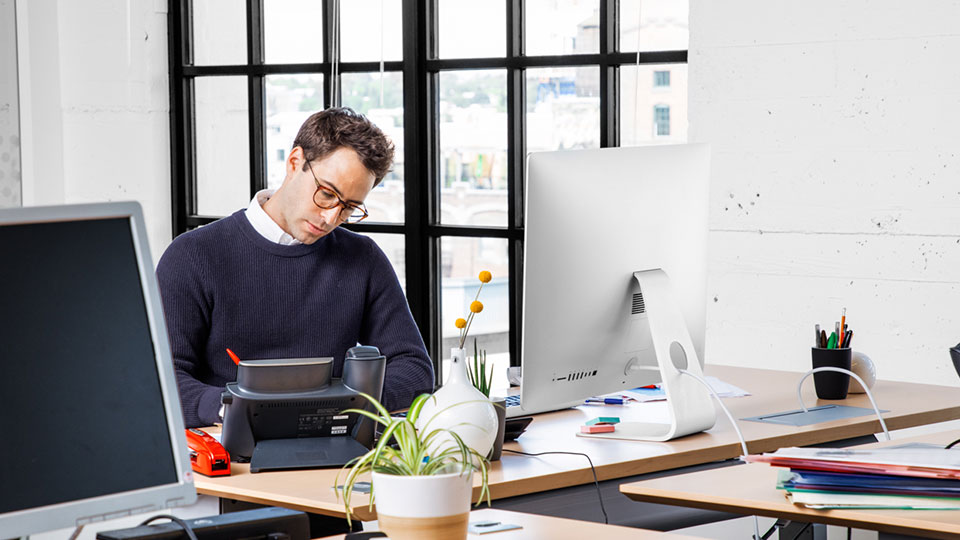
(326, 199)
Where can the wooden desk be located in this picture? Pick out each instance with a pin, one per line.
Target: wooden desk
(773, 391)
(749, 489)
(551, 528)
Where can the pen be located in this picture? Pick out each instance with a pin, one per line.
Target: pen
(823, 339)
(606, 401)
(234, 357)
(817, 338)
(847, 337)
(832, 342)
(843, 325)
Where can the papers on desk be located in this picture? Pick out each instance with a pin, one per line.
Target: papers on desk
(891, 478)
(644, 394)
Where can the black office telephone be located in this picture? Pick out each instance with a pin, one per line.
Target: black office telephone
(288, 413)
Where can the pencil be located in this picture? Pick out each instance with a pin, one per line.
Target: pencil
(843, 325)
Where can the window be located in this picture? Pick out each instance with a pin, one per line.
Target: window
(661, 79)
(467, 89)
(661, 120)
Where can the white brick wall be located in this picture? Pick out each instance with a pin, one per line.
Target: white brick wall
(96, 107)
(9, 109)
(836, 178)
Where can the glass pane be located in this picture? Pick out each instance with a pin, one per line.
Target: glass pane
(662, 24)
(573, 27)
(563, 108)
(292, 31)
(653, 104)
(362, 93)
(473, 148)
(360, 30)
(290, 100)
(222, 145)
(219, 32)
(461, 261)
(394, 247)
(471, 29)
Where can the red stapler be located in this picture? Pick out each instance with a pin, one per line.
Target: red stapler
(207, 456)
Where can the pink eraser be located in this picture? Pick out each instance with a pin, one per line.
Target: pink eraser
(604, 428)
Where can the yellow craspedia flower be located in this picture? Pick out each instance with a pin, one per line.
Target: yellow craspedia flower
(476, 306)
(461, 323)
(485, 277)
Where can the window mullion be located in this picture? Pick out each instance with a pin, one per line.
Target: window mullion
(256, 110)
(328, 24)
(609, 76)
(420, 191)
(516, 152)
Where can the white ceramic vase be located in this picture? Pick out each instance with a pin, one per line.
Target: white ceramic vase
(460, 408)
(423, 507)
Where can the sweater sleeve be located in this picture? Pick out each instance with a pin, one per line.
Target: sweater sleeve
(187, 314)
(389, 325)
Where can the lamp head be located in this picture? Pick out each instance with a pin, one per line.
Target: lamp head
(955, 356)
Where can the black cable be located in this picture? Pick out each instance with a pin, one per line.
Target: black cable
(175, 519)
(805, 527)
(593, 469)
(769, 533)
(849, 533)
(951, 445)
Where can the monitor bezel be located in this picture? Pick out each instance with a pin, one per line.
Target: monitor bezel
(100, 508)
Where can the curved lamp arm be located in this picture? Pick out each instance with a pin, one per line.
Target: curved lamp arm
(859, 380)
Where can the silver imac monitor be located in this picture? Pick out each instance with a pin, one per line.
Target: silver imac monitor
(91, 422)
(593, 219)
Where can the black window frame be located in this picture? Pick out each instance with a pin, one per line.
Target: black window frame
(420, 67)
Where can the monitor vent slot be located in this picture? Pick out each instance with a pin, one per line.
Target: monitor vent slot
(637, 307)
(574, 376)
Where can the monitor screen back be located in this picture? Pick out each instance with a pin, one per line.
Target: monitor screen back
(82, 410)
(593, 218)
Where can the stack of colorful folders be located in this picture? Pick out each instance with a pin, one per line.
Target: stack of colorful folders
(900, 478)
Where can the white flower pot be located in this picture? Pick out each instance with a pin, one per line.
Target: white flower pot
(423, 507)
(461, 408)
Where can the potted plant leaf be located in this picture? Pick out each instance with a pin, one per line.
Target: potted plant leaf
(481, 376)
(421, 486)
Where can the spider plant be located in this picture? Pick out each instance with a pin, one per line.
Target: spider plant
(415, 453)
(481, 379)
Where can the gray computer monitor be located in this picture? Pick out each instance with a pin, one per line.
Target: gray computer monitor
(91, 425)
(593, 218)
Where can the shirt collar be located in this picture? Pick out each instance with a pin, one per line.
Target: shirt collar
(264, 224)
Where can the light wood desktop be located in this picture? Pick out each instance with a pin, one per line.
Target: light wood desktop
(552, 528)
(750, 489)
(909, 405)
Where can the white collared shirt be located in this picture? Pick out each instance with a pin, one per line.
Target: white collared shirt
(264, 224)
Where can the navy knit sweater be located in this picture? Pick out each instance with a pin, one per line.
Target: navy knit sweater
(224, 285)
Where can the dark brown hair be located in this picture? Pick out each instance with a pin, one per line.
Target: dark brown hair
(326, 131)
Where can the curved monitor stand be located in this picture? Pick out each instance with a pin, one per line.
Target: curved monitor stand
(690, 408)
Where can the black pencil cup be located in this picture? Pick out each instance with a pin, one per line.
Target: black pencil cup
(831, 384)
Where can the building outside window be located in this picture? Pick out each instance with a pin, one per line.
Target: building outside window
(661, 120)
(661, 79)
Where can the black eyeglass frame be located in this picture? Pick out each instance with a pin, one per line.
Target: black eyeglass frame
(347, 206)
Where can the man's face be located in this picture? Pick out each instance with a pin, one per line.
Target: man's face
(341, 172)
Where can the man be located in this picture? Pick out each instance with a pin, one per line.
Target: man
(281, 280)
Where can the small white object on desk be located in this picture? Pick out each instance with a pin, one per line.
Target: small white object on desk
(864, 367)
